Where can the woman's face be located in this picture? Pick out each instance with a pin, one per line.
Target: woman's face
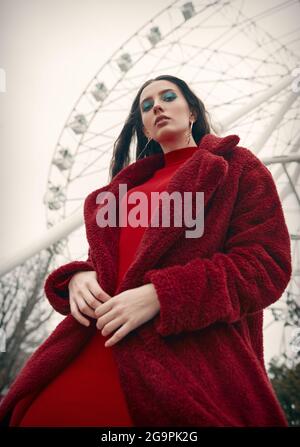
(165, 98)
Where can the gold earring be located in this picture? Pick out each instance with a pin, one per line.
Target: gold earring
(190, 132)
(149, 139)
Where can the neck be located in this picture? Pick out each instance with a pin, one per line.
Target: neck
(173, 146)
(179, 155)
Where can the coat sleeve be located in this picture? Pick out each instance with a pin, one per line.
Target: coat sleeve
(250, 273)
(57, 283)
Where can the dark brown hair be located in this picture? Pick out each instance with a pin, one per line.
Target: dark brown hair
(133, 127)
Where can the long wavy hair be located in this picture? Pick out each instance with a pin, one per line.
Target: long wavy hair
(133, 127)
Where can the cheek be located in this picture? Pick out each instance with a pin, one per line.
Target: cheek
(180, 113)
(180, 118)
(147, 121)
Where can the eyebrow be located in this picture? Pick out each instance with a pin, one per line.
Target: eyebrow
(162, 91)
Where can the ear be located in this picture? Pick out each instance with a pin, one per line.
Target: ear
(193, 116)
(146, 132)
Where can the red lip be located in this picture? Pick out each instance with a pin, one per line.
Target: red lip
(159, 118)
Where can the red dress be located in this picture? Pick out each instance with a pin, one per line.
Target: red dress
(88, 392)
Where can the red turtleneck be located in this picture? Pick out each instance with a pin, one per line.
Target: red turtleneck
(130, 237)
(87, 392)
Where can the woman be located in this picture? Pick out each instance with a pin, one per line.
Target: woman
(182, 314)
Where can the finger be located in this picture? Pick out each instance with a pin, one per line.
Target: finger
(103, 308)
(111, 326)
(77, 315)
(98, 292)
(84, 307)
(121, 333)
(89, 298)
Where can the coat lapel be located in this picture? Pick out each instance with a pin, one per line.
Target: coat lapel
(204, 171)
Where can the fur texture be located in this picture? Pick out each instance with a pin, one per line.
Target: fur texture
(200, 361)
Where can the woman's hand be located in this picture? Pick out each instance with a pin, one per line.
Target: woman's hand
(85, 294)
(127, 311)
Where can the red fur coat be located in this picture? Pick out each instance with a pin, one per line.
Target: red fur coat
(199, 361)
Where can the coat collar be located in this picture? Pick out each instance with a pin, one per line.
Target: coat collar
(203, 171)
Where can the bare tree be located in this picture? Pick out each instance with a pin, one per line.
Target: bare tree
(24, 313)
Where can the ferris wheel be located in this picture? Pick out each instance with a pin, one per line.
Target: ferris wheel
(234, 61)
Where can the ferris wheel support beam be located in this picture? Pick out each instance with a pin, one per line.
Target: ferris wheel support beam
(282, 159)
(51, 236)
(257, 101)
(291, 183)
(275, 121)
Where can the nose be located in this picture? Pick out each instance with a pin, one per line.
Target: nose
(156, 107)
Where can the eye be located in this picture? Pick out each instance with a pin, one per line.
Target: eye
(146, 105)
(168, 96)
